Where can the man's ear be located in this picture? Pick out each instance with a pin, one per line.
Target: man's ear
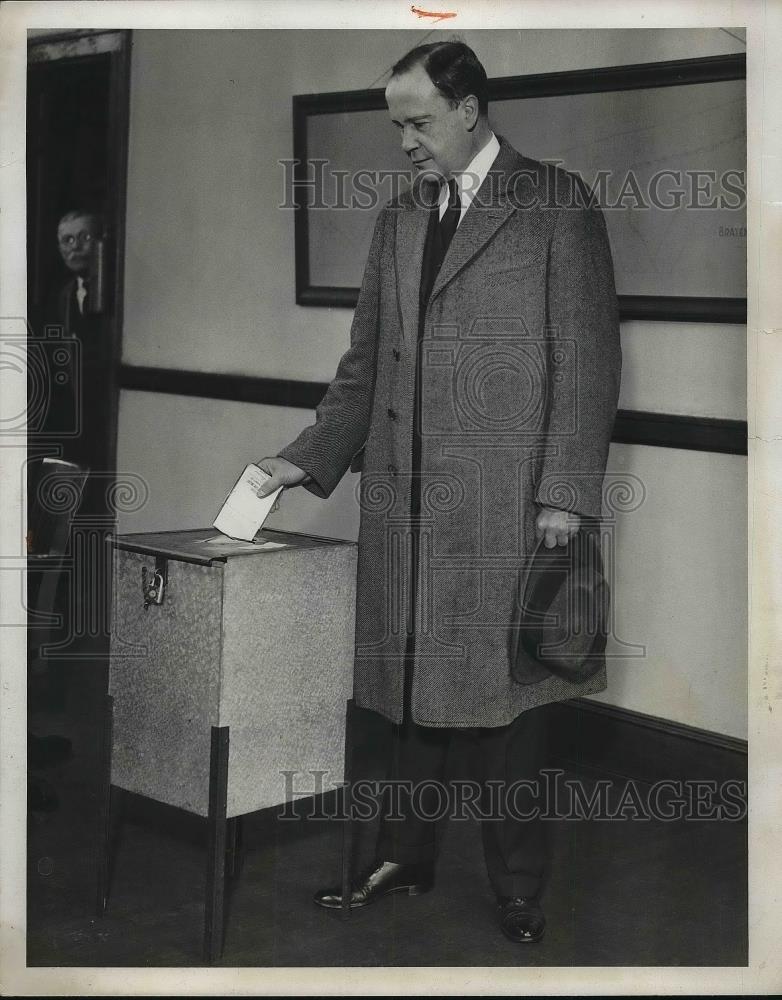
(470, 111)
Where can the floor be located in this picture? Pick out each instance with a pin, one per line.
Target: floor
(620, 893)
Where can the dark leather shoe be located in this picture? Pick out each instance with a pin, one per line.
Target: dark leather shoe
(378, 880)
(521, 918)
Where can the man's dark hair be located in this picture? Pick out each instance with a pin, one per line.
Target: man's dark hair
(452, 67)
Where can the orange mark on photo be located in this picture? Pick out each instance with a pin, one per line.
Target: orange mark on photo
(439, 15)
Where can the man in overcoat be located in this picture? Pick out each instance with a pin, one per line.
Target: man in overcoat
(477, 398)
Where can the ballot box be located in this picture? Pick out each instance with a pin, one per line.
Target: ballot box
(230, 672)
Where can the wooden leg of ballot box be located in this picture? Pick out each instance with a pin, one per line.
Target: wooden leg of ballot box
(235, 850)
(110, 813)
(347, 812)
(214, 910)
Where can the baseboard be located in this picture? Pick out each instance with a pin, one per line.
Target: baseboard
(618, 741)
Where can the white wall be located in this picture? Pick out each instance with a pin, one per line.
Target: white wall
(679, 592)
(209, 286)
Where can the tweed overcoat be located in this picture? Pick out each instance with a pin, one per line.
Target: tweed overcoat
(519, 367)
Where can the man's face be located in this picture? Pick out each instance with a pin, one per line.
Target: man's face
(434, 135)
(76, 239)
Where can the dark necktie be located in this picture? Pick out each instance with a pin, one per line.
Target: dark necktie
(438, 239)
(450, 219)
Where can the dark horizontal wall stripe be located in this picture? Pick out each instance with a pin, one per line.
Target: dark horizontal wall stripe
(619, 741)
(666, 430)
(682, 309)
(632, 426)
(324, 295)
(237, 388)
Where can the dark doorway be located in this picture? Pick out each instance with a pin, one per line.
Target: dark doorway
(77, 133)
(77, 122)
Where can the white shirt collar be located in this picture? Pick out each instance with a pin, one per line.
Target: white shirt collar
(471, 178)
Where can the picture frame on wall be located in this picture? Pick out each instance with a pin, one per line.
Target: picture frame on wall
(675, 133)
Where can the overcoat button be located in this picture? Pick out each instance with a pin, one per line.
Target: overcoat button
(396, 354)
(392, 413)
(392, 469)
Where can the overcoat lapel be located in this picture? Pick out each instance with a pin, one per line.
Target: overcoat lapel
(490, 209)
(475, 230)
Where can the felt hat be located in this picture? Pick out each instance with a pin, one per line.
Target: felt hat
(562, 623)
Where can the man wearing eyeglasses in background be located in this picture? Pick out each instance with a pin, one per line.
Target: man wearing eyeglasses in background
(72, 310)
(77, 232)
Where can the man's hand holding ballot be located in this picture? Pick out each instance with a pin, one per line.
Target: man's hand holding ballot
(281, 472)
(245, 508)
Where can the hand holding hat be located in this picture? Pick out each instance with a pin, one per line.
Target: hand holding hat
(563, 609)
(556, 527)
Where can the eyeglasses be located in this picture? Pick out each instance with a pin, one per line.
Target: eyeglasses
(70, 240)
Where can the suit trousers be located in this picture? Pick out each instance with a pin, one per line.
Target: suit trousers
(417, 801)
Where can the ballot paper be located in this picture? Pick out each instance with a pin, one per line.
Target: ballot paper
(243, 513)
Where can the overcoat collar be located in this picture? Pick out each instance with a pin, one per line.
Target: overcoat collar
(488, 211)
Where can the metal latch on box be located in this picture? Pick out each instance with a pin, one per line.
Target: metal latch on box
(153, 585)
